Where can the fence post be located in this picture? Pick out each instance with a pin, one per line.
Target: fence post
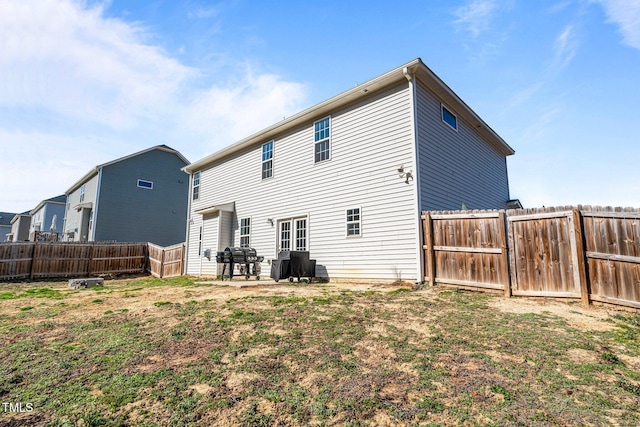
(504, 256)
(429, 253)
(90, 259)
(162, 263)
(33, 261)
(579, 257)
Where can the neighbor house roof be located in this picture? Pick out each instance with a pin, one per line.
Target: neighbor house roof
(96, 169)
(414, 68)
(58, 200)
(6, 217)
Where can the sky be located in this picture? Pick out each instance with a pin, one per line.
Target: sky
(86, 82)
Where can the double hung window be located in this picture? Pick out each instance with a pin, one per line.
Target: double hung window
(353, 222)
(196, 185)
(267, 160)
(245, 232)
(322, 140)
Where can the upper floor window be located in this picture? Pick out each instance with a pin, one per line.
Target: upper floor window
(449, 118)
(145, 184)
(353, 222)
(245, 232)
(322, 139)
(267, 160)
(82, 190)
(196, 185)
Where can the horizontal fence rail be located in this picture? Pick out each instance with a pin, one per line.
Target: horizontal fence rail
(591, 253)
(38, 260)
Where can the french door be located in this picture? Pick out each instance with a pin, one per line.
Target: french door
(293, 234)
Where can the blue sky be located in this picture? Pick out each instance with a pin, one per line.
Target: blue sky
(85, 82)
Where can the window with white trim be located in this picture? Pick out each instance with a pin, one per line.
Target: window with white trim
(82, 190)
(353, 222)
(196, 185)
(449, 118)
(245, 232)
(322, 139)
(145, 184)
(267, 160)
(301, 234)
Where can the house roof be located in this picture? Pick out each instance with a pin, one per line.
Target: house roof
(6, 217)
(96, 169)
(413, 68)
(58, 200)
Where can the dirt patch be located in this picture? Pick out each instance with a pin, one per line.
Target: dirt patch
(592, 318)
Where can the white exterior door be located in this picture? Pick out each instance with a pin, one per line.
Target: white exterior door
(293, 234)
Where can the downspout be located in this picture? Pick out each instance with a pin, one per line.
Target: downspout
(416, 168)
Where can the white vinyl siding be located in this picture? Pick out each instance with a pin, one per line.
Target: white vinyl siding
(456, 167)
(357, 175)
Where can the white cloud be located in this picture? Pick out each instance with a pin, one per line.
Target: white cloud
(476, 15)
(565, 47)
(626, 15)
(78, 85)
(58, 55)
(229, 113)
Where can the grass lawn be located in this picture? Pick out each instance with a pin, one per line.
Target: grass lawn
(151, 352)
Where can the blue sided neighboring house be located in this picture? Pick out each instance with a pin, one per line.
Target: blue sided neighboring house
(48, 216)
(141, 197)
(5, 225)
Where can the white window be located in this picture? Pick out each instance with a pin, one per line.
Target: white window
(196, 185)
(245, 232)
(353, 222)
(82, 190)
(267, 160)
(449, 118)
(322, 140)
(145, 184)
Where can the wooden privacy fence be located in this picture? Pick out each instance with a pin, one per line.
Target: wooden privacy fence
(166, 262)
(585, 252)
(33, 260)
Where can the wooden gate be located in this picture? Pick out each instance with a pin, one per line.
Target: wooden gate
(547, 254)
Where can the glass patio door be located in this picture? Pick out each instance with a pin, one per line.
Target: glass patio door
(293, 234)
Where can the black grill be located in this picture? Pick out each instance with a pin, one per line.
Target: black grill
(293, 264)
(246, 259)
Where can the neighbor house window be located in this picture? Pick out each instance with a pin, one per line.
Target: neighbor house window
(196, 185)
(449, 118)
(145, 184)
(353, 222)
(267, 160)
(245, 231)
(82, 190)
(321, 137)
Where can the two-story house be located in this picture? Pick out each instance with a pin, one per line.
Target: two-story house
(347, 179)
(141, 197)
(48, 216)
